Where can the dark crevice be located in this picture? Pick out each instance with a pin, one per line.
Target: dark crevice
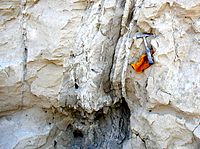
(77, 134)
(142, 139)
(76, 86)
(55, 143)
(130, 16)
(25, 63)
(102, 129)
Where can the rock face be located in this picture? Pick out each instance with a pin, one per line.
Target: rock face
(66, 79)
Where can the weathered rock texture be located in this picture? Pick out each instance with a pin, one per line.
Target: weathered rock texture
(66, 80)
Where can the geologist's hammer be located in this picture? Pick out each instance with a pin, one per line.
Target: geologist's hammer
(148, 53)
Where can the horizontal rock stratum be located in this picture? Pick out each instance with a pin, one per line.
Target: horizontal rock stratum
(66, 80)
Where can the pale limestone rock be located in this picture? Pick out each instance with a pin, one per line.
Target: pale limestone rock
(92, 57)
(11, 56)
(170, 86)
(47, 81)
(134, 143)
(162, 131)
(25, 129)
(197, 132)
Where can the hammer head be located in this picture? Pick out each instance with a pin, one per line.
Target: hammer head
(143, 35)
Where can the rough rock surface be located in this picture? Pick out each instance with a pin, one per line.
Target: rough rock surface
(66, 80)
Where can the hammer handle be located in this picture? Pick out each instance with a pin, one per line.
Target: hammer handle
(149, 55)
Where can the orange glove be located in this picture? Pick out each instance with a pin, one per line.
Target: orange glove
(141, 64)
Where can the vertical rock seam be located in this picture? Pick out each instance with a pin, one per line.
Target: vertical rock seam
(24, 46)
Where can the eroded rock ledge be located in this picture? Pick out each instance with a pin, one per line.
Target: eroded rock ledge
(50, 128)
